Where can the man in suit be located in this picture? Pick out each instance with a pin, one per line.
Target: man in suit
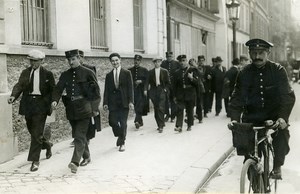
(35, 84)
(118, 98)
(140, 78)
(159, 83)
(185, 86)
(171, 65)
(218, 74)
(229, 81)
(81, 88)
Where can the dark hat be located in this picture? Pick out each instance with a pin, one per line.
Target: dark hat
(36, 55)
(201, 57)
(72, 53)
(81, 53)
(157, 59)
(169, 53)
(235, 61)
(218, 59)
(138, 57)
(213, 59)
(114, 55)
(244, 57)
(180, 57)
(258, 44)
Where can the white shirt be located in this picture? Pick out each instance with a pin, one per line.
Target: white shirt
(36, 81)
(157, 76)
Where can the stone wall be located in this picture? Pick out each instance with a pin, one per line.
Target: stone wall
(60, 129)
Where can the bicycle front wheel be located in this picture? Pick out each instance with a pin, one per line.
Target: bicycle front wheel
(251, 180)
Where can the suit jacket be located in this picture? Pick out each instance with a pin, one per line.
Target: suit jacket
(23, 86)
(111, 94)
(164, 81)
(205, 72)
(217, 79)
(231, 75)
(78, 82)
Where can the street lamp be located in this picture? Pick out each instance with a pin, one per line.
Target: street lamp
(234, 12)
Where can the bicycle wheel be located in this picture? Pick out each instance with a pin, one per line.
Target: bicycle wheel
(251, 181)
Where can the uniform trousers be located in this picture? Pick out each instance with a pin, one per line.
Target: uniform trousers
(218, 105)
(189, 106)
(35, 124)
(139, 103)
(159, 99)
(199, 106)
(81, 148)
(170, 104)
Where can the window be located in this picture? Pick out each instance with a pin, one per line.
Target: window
(138, 25)
(34, 21)
(176, 31)
(98, 24)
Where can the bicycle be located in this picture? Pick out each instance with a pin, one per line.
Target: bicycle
(255, 175)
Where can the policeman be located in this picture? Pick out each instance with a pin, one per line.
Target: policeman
(78, 82)
(172, 66)
(262, 92)
(140, 78)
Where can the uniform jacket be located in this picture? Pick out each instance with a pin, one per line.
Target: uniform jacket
(217, 79)
(185, 88)
(164, 81)
(81, 88)
(24, 87)
(125, 87)
(229, 81)
(205, 72)
(172, 66)
(262, 94)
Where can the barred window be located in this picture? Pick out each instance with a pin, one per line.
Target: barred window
(98, 24)
(138, 24)
(34, 21)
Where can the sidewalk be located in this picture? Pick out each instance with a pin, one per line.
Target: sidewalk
(152, 163)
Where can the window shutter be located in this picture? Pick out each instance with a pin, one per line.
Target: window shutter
(214, 6)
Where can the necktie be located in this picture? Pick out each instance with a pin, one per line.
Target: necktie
(31, 80)
(116, 78)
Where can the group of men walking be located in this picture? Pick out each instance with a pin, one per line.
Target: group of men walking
(173, 86)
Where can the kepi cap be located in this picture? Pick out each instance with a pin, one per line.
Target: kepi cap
(235, 61)
(180, 57)
(138, 57)
(169, 53)
(257, 43)
(36, 55)
(201, 57)
(72, 53)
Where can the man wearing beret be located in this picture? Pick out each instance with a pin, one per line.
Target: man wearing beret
(35, 84)
(159, 83)
(140, 78)
(185, 84)
(262, 92)
(81, 88)
(171, 65)
(118, 98)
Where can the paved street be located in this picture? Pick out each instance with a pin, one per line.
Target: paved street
(153, 162)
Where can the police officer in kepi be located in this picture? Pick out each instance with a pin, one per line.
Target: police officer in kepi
(82, 88)
(140, 78)
(262, 92)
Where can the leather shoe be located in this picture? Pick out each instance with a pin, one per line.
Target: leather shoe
(189, 128)
(85, 162)
(73, 167)
(48, 153)
(276, 173)
(137, 125)
(160, 130)
(179, 129)
(122, 148)
(34, 166)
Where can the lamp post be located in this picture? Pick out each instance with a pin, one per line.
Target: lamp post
(234, 12)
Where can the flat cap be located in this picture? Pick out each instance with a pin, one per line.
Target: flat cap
(36, 55)
(72, 53)
(169, 53)
(257, 43)
(180, 57)
(218, 59)
(157, 59)
(138, 57)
